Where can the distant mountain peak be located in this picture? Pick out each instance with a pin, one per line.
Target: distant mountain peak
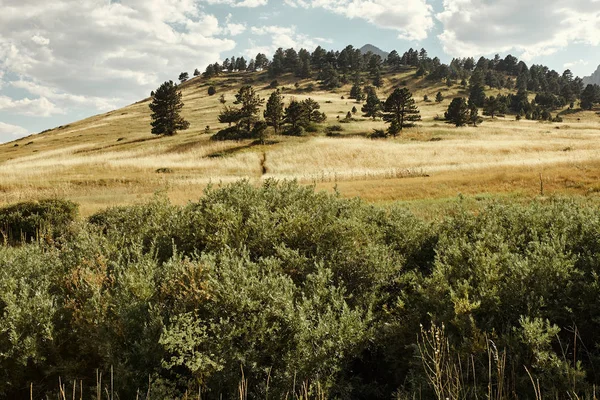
(594, 78)
(375, 50)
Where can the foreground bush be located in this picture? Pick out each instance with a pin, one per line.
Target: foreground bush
(32, 220)
(300, 289)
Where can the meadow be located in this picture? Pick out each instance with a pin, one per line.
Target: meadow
(112, 159)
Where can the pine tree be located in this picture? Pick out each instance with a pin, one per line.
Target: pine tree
(250, 103)
(184, 76)
(274, 111)
(356, 92)
(240, 64)
(304, 70)
(312, 108)
(476, 91)
(590, 96)
(372, 107)
(439, 97)
(196, 72)
(377, 80)
(166, 105)
(400, 108)
(458, 112)
(491, 106)
(210, 71)
(474, 115)
(229, 115)
(295, 114)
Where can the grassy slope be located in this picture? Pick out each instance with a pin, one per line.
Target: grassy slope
(112, 158)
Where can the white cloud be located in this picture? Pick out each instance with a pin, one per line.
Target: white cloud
(42, 41)
(12, 130)
(282, 36)
(103, 54)
(575, 63)
(233, 28)
(412, 19)
(66, 100)
(528, 26)
(40, 107)
(242, 3)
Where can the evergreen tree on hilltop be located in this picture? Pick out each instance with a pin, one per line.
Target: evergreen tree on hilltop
(329, 77)
(400, 110)
(166, 105)
(476, 91)
(276, 67)
(261, 61)
(184, 76)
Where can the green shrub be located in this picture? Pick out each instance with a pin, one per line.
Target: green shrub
(311, 128)
(294, 131)
(231, 133)
(378, 134)
(33, 220)
(299, 287)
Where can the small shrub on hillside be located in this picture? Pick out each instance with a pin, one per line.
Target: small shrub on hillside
(311, 128)
(294, 131)
(231, 133)
(333, 130)
(212, 91)
(378, 134)
(273, 84)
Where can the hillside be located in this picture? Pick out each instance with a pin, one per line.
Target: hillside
(113, 159)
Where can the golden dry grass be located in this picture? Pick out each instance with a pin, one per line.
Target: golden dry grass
(112, 159)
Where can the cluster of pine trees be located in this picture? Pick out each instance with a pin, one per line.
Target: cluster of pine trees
(553, 91)
(245, 123)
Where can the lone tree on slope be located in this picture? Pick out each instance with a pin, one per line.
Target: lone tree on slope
(458, 112)
(372, 107)
(439, 97)
(400, 110)
(274, 111)
(250, 103)
(166, 105)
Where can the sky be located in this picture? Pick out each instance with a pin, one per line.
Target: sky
(64, 60)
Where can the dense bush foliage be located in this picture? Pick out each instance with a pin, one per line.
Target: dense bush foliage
(27, 221)
(297, 288)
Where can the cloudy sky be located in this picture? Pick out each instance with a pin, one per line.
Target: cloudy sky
(63, 60)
